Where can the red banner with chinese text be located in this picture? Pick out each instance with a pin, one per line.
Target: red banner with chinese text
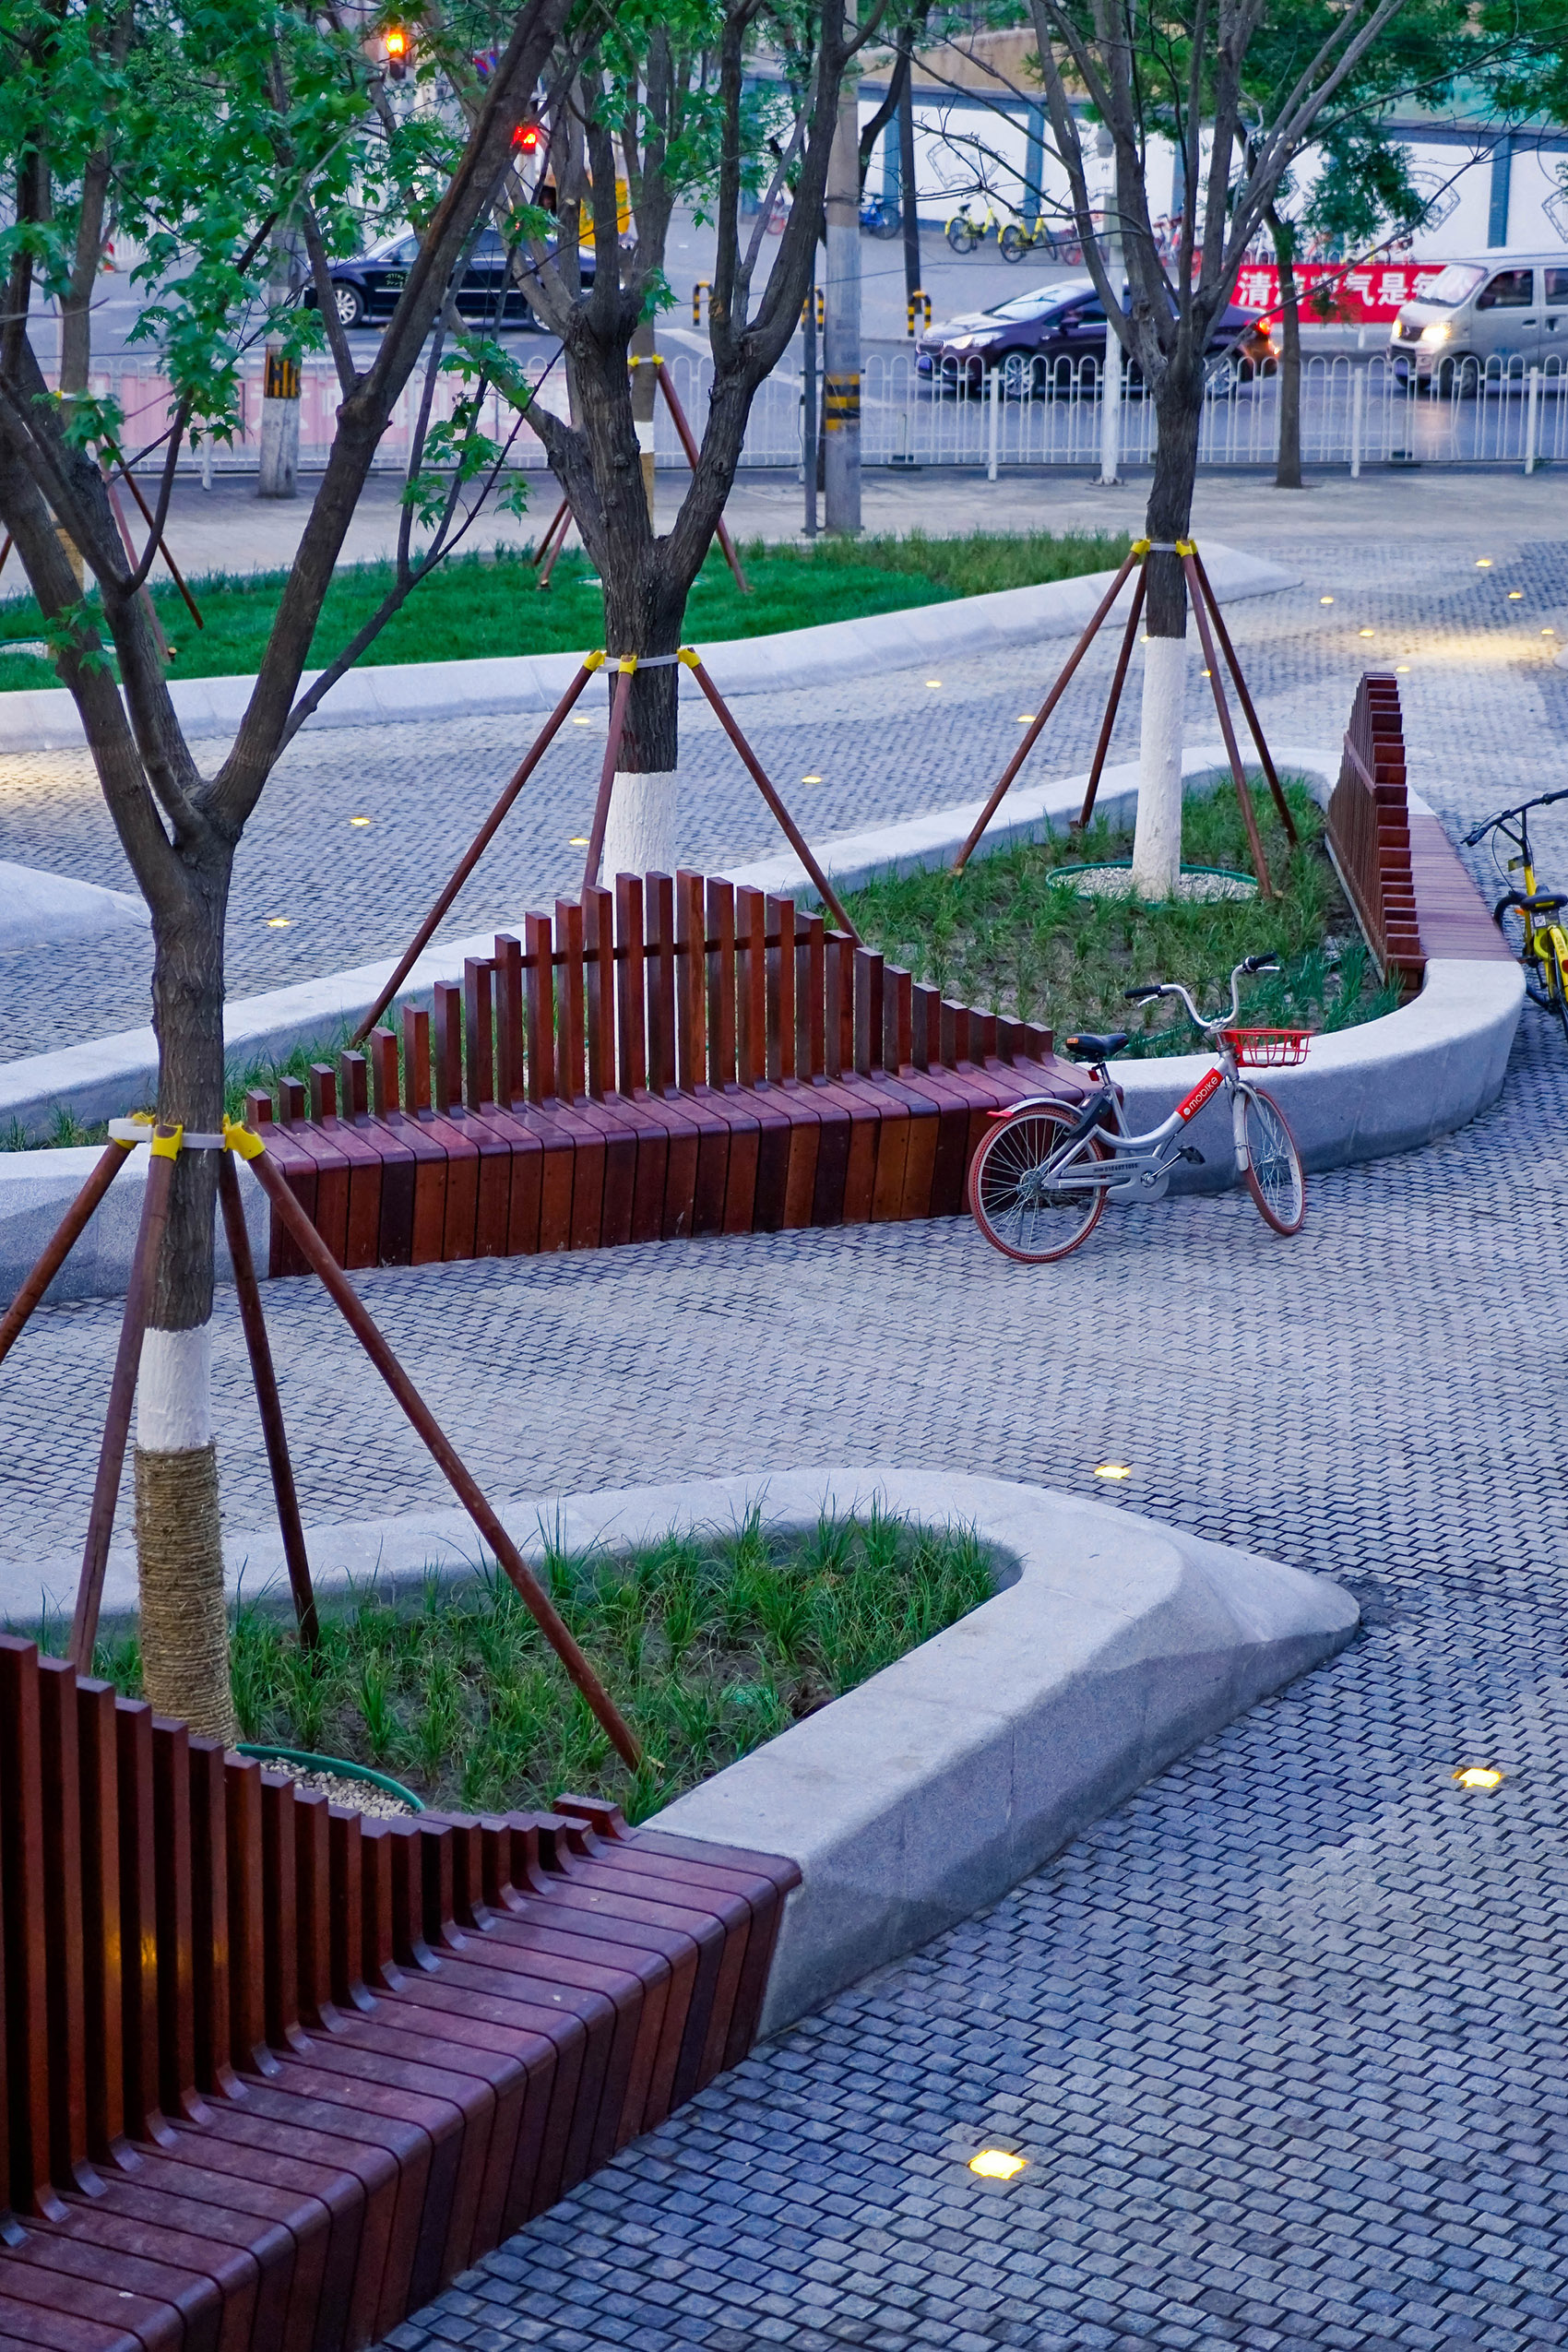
(1368, 294)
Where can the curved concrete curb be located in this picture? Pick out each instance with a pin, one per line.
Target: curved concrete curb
(1389, 1085)
(957, 1771)
(42, 909)
(413, 690)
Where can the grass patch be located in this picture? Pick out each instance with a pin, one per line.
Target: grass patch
(710, 1645)
(1003, 936)
(490, 604)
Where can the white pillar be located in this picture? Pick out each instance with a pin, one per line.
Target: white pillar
(1358, 408)
(279, 475)
(1157, 841)
(993, 393)
(1111, 375)
(1531, 415)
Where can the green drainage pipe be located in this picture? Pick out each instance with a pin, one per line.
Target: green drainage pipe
(339, 1766)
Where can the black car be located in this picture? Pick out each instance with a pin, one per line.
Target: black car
(1046, 335)
(368, 289)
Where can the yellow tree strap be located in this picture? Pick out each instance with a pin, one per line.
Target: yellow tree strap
(167, 1147)
(1140, 547)
(690, 655)
(238, 1137)
(594, 660)
(1186, 546)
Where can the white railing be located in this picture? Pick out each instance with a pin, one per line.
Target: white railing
(1356, 411)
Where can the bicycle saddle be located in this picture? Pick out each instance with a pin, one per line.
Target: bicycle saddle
(1095, 1049)
(1545, 902)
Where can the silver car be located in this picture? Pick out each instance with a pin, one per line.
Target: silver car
(1505, 307)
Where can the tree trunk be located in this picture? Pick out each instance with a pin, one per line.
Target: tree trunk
(1287, 467)
(640, 617)
(1156, 846)
(184, 1633)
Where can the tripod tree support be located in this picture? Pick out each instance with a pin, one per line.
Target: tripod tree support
(478, 845)
(317, 1257)
(755, 768)
(628, 665)
(1265, 759)
(688, 443)
(67, 1233)
(165, 1150)
(268, 1403)
(560, 521)
(1211, 662)
(1135, 555)
(1129, 638)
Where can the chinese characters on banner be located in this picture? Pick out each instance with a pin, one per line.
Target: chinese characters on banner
(1368, 294)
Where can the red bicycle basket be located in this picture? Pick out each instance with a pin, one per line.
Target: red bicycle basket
(1268, 1048)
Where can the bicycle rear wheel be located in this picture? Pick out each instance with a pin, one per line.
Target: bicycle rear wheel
(1021, 1211)
(1274, 1175)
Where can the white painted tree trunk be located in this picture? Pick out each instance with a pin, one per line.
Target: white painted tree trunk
(175, 1391)
(640, 835)
(1156, 843)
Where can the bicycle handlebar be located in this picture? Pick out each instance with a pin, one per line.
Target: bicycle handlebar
(1542, 801)
(1221, 1020)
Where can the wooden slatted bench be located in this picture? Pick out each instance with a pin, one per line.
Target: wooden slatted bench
(274, 2072)
(1412, 897)
(677, 1057)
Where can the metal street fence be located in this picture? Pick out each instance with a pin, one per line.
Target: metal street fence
(1356, 411)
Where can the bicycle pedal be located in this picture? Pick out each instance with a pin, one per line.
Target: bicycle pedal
(1190, 1151)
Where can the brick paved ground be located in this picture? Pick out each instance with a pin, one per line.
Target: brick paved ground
(885, 747)
(1283, 2040)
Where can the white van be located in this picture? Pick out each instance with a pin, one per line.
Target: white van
(1502, 307)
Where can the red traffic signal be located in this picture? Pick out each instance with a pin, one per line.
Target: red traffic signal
(528, 137)
(397, 48)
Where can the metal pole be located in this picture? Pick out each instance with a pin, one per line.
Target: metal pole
(758, 775)
(313, 1249)
(472, 854)
(808, 414)
(67, 1233)
(841, 356)
(607, 775)
(268, 1403)
(993, 386)
(1135, 555)
(122, 1393)
(1358, 403)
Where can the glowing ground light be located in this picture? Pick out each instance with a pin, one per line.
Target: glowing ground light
(810, 779)
(1025, 718)
(576, 841)
(1326, 600)
(997, 2164)
(1366, 633)
(278, 922)
(1549, 632)
(1515, 596)
(1483, 562)
(578, 720)
(934, 682)
(359, 820)
(1113, 1470)
(1478, 1777)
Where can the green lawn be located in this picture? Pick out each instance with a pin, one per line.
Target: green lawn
(491, 603)
(707, 1645)
(1003, 935)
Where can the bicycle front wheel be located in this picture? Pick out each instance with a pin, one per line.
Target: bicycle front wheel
(1274, 1176)
(1013, 242)
(1022, 1211)
(961, 235)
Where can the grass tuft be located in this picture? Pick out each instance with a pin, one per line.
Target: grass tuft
(710, 1644)
(1002, 936)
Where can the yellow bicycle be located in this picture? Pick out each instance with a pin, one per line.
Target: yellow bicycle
(1542, 946)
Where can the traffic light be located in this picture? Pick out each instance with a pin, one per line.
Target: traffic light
(397, 47)
(528, 138)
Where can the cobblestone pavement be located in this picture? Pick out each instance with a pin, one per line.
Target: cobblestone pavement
(884, 746)
(1283, 2039)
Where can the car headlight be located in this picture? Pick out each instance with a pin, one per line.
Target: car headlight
(1438, 332)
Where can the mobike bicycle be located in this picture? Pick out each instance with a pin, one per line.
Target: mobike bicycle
(968, 229)
(1040, 1181)
(1543, 945)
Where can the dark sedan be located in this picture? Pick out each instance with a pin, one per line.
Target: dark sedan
(368, 289)
(1054, 335)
